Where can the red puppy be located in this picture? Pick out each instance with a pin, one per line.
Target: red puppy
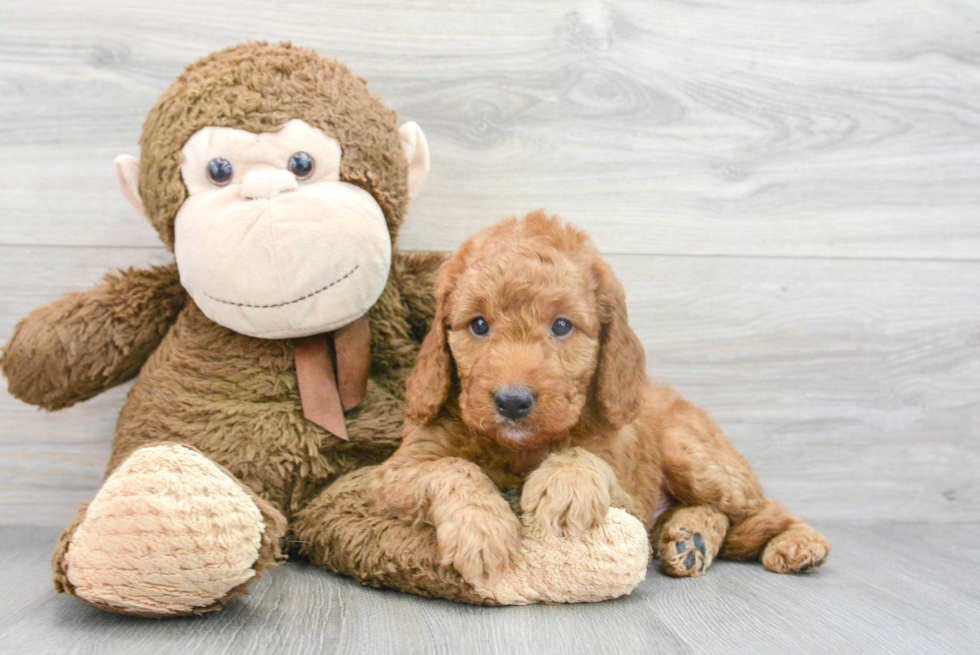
(531, 380)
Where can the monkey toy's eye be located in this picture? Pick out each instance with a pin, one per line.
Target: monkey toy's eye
(220, 171)
(561, 327)
(301, 165)
(479, 326)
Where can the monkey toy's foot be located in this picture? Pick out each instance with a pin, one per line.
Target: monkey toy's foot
(607, 562)
(170, 533)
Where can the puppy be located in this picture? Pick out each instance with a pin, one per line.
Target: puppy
(532, 382)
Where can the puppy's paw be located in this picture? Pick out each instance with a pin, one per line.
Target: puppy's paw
(690, 540)
(480, 544)
(800, 549)
(568, 498)
(684, 552)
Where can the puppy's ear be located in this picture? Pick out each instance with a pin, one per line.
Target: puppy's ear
(621, 374)
(432, 377)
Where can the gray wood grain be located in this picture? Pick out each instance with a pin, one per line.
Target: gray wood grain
(885, 589)
(753, 127)
(788, 189)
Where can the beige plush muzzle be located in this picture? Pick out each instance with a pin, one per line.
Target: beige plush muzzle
(270, 255)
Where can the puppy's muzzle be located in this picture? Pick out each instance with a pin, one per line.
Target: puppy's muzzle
(514, 402)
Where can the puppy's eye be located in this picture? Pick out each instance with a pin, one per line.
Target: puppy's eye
(561, 327)
(479, 326)
(301, 165)
(220, 171)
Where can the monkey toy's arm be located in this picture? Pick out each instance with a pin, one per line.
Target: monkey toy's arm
(84, 343)
(416, 272)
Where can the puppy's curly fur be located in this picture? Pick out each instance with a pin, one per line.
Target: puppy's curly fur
(599, 433)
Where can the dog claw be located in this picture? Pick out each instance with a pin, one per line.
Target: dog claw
(810, 566)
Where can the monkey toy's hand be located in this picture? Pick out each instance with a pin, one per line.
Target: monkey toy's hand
(84, 343)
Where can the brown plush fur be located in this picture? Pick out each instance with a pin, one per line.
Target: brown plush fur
(61, 354)
(599, 435)
(235, 398)
(345, 529)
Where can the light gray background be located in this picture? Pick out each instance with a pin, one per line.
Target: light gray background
(789, 191)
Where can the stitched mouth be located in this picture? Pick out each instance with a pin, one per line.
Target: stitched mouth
(288, 302)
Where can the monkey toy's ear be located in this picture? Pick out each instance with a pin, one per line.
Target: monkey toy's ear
(416, 150)
(127, 170)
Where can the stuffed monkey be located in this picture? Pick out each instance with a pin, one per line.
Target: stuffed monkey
(271, 356)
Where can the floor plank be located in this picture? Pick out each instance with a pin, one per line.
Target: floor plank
(885, 589)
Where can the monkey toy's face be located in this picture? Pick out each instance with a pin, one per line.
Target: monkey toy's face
(270, 241)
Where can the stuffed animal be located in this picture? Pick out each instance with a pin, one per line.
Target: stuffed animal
(272, 356)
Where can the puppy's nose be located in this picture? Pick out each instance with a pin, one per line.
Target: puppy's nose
(514, 402)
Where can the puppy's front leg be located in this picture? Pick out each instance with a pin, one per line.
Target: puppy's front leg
(571, 492)
(476, 530)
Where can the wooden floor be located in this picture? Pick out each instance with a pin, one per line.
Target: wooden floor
(788, 189)
(886, 589)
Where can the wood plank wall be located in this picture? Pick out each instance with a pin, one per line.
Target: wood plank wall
(789, 191)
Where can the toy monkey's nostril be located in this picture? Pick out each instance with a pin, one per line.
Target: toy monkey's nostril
(266, 184)
(514, 402)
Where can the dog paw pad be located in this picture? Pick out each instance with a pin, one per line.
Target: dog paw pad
(690, 556)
